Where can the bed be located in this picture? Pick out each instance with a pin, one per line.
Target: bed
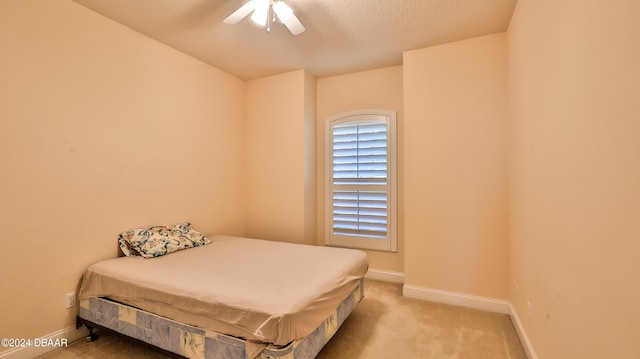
(231, 298)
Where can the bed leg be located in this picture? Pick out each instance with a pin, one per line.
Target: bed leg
(92, 336)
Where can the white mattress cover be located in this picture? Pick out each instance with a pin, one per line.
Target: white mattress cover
(264, 291)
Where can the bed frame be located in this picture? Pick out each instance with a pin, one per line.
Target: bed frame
(188, 341)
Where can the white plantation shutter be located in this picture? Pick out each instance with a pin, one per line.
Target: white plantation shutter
(360, 213)
(360, 180)
(360, 153)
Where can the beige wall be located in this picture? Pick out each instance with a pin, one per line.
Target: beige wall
(574, 71)
(369, 89)
(455, 183)
(310, 160)
(101, 129)
(279, 165)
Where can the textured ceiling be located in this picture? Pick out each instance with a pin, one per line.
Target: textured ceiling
(342, 36)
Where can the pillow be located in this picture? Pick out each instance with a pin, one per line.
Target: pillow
(160, 240)
(126, 248)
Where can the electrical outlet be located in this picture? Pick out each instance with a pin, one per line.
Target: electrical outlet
(528, 310)
(70, 300)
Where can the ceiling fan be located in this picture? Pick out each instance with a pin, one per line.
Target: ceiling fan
(263, 10)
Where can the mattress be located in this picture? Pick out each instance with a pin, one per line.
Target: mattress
(261, 291)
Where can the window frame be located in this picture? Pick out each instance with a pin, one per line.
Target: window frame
(390, 243)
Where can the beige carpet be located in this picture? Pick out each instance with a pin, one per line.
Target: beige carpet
(384, 325)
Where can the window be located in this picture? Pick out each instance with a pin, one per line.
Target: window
(361, 180)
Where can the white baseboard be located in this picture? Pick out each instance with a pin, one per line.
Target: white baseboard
(69, 334)
(524, 339)
(459, 299)
(385, 276)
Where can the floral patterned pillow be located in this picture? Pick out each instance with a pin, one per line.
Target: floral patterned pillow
(160, 240)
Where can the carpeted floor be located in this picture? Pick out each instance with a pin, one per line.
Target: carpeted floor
(384, 325)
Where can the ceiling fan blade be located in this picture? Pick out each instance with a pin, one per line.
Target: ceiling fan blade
(241, 13)
(294, 25)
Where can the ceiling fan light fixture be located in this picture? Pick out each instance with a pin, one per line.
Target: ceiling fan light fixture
(283, 11)
(261, 12)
